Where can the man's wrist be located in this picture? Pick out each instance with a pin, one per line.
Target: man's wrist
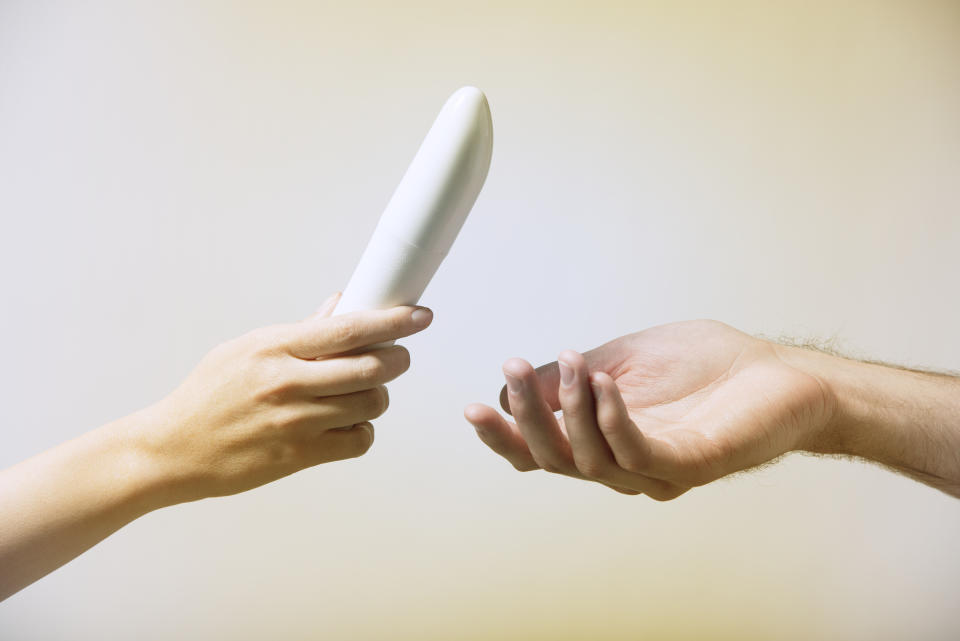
(904, 419)
(842, 383)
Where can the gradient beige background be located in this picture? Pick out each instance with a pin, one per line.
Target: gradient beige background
(173, 174)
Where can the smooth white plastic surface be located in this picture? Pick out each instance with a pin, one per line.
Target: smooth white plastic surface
(427, 209)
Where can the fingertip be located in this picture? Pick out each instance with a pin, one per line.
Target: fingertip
(517, 367)
(605, 391)
(346, 442)
(571, 358)
(599, 378)
(596, 383)
(422, 317)
(474, 412)
(367, 427)
(573, 371)
(403, 357)
(485, 421)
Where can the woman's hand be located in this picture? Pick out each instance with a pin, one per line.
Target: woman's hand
(659, 411)
(277, 400)
(256, 408)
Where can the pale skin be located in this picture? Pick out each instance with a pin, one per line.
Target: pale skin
(257, 408)
(670, 408)
(657, 413)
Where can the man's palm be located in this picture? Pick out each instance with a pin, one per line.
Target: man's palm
(710, 399)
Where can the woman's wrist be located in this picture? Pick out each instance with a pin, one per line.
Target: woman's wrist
(147, 484)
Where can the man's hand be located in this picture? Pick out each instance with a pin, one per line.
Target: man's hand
(676, 406)
(659, 411)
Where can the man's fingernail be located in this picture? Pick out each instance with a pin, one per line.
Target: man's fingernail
(421, 316)
(567, 374)
(596, 389)
(514, 384)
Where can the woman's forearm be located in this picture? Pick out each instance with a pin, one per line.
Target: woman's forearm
(62, 502)
(904, 419)
(259, 407)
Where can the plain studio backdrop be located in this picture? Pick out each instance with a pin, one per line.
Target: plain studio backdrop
(174, 174)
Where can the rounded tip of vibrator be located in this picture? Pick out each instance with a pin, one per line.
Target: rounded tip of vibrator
(472, 103)
(471, 106)
(471, 95)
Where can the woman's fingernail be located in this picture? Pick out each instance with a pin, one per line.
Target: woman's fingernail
(368, 428)
(567, 374)
(514, 384)
(421, 316)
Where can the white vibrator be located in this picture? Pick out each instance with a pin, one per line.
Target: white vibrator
(427, 209)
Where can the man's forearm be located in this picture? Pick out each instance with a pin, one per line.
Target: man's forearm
(903, 419)
(62, 502)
